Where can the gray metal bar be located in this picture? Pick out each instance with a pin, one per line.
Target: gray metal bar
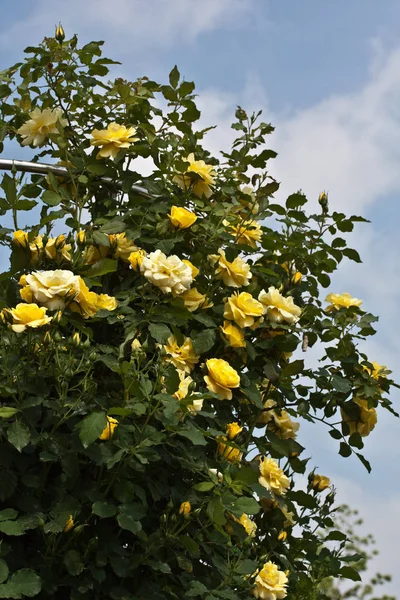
(25, 166)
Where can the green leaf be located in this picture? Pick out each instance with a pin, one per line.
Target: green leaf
(22, 583)
(8, 514)
(3, 570)
(126, 522)
(350, 573)
(25, 204)
(103, 266)
(246, 505)
(92, 427)
(303, 499)
(7, 411)
(11, 528)
(114, 226)
(174, 77)
(204, 486)
(296, 200)
(344, 450)
(341, 384)
(204, 341)
(18, 435)
(352, 255)
(159, 332)
(101, 239)
(293, 368)
(10, 189)
(193, 434)
(73, 562)
(51, 198)
(104, 509)
(216, 511)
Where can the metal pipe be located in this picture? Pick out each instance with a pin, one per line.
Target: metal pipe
(25, 166)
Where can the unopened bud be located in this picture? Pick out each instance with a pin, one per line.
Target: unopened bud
(76, 339)
(185, 508)
(282, 536)
(323, 201)
(80, 237)
(59, 34)
(57, 317)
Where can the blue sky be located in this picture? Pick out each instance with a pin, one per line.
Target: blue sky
(328, 76)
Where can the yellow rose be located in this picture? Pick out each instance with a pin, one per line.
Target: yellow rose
(193, 299)
(59, 35)
(243, 309)
(248, 524)
(69, 524)
(234, 335)
(184, 383)
(233, 430)
(248, 232)
(183, 357)
(89, 303)
(320, 482)
(40, 125)
(122, 246)
(338, 301)
(270, 583)
(21, 238)
(108, 430)
(195, 270)
(278, 422)
(93, 254)
(80, 236)
(221, 378)
(185, 508)
(106, 302)
(112, 139)
(52, 289)
(56, 246)
(366, 421)
(234, 274)
(136, 258)
(377, 370)
(181, 217)
(282, 536)
(228, 452)
(26, 315)
(278, 308)
(272, 477)
(200, 186)
(169, 273)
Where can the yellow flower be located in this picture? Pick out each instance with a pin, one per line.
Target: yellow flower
(40, 125)
(106, 302)
(69, 524)
(234, 335)
(136, 258)
(248, 232)
(112, 139)
(26, 315)
(289, 516)
(234, 274)
(80, 236)
(193, 299)
(60, 37)
(123, 247)
(233, 430)
(184, 383)
(56, 246)
(76, 339)
(93, 254)
(228, 452)
(272, 477)
(195, 270)
(181, 217)
(183, 357)
(201, 186)
(21, 238)
(136, 346)
(282, 536)
(297, 277)
(320, 482)
(278, 422)
(278, 308)
(377, 370)
(185, 508)
(248, 200)
(243, 309)
(108, 430)
(248, 524)
(270, 583)
(338, 301)
(221, 378)
(366, 421)
(89, 303)
(169, 273)
(50, 288)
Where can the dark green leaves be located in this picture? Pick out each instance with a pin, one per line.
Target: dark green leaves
(18, 435)
(51, 198)
(174, 77)
(91, 428)
(204, 341)
(21, 583)
(159, 332)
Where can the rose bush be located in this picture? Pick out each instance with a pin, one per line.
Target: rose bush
(152, 339)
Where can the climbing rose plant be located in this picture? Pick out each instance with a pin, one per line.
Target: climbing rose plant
(152, 336)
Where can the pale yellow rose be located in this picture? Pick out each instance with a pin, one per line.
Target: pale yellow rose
(338, 301)
(184, 384)
(278, 421)
(170, 274)
(248, 524)
(270, 583)
(136, 258)
(234, 274)
(113, 139)
(182, 357)
(272, 477)
(121, 246)
(248, 232)
(200, 187)
(320, 482)
(185, 508)
(193, 299)
(248, 200)
(243, 309)
(234, 335)
(195, 270)
(221, 378)
(93, 254)
(279, 309)
(56, 246)
(52, 289)
(40, 125)
(26, 315)
(181, 217)
(366, 421)
(109, 429)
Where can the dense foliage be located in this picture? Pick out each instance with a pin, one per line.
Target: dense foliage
(152, 375)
